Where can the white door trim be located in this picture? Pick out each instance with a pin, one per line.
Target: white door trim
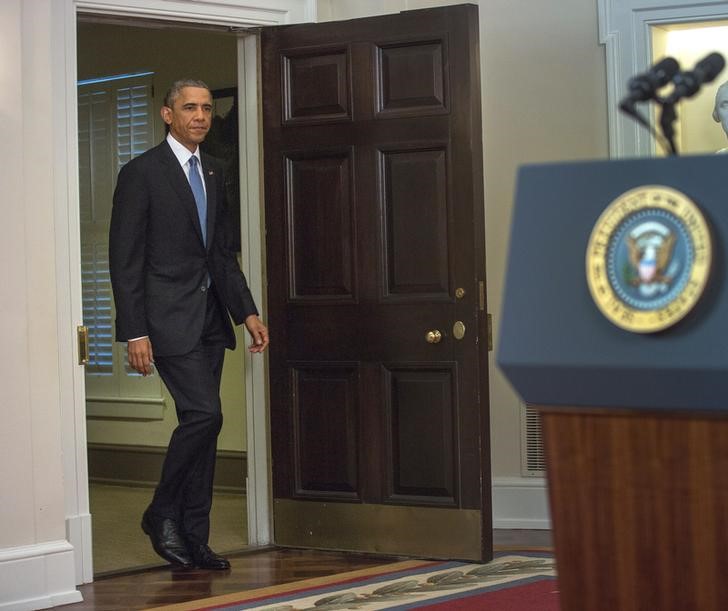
(252, 225)
(219, 12)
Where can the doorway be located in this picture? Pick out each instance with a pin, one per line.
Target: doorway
(67, 235)
(124, 69)
(259, 471)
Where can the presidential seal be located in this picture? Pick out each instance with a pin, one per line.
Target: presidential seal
(648, 259)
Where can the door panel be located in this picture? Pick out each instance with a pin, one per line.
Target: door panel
(421, 420)
(373, 177)
(325, 412)
(413, 184)
(316, 86)
(321, 226)
(410, 79)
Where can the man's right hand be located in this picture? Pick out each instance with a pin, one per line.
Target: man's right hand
(140, 355)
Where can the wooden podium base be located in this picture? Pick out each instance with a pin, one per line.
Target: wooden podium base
(639, 506)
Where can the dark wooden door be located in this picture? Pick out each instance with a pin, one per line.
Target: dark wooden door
(375, 244)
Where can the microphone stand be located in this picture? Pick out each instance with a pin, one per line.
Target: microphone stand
(668, 116)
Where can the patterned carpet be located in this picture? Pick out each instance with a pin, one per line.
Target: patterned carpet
(524, 581)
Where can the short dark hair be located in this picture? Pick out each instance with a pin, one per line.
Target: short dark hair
(174, 91)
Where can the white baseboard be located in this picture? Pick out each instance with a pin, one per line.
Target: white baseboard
(37, 576)
(520, 503)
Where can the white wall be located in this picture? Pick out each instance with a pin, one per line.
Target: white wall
(30, 365)
(544, 89)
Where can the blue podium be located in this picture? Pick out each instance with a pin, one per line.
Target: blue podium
(634, 420)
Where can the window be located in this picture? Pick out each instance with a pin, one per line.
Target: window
(115, 124)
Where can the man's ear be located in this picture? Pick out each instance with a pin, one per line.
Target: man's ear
(166, 113)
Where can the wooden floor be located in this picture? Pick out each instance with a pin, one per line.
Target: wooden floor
(249, 570)
(158, 586)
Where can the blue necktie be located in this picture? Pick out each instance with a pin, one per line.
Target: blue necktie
(198, 190)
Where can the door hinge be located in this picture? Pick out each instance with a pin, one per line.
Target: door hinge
(490, 332)
(82, 337)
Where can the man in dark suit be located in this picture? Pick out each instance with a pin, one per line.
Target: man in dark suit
(176, 285)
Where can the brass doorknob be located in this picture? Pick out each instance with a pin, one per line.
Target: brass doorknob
(433, 337)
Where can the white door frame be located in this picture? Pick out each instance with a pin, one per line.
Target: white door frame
(73, 405)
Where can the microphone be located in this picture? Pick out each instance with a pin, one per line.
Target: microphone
(643, 87)
(688, 83)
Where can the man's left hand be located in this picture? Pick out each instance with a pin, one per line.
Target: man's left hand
(258, 332)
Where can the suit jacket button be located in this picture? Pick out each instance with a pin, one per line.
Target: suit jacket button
(203, 288)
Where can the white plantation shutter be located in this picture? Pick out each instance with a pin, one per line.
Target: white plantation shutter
(84, 157)
(97, 307)
(134, 135)
(115, 124)
(95, 124)
(133, 121)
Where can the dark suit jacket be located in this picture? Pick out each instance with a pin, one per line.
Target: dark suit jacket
(158, 261)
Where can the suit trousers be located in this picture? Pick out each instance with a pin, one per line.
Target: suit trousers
(184, 492)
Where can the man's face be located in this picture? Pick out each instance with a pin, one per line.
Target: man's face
(189, 119)
(721, 104)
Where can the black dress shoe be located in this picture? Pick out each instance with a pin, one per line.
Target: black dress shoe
(205, 558)
(166, 540)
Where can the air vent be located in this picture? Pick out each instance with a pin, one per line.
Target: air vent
(532, 458)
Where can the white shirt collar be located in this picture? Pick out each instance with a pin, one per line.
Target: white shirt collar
(181, 151)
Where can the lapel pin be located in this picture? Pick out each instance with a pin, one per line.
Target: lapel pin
(211, 172)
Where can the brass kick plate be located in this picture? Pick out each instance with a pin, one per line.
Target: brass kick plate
(430, 532)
